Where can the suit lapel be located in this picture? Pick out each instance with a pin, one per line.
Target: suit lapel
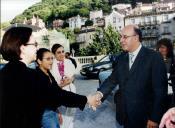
(125, 65)
(137, 61)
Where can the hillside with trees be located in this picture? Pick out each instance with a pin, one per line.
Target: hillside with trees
(49, 10)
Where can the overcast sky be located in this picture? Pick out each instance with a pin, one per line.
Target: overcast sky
(11, 8)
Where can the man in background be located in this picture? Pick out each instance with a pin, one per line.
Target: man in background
(67, 55)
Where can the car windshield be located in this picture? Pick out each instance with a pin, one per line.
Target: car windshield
(106, 58)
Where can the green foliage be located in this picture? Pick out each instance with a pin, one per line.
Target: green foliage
(76, 30)
(18, 19)
(68, 34)
(4, 25)
(88, 23)
(109, 43)
(111, 40)
(65, 25)
(45, 39)
(84, 12)
(43, 14)
(49, 10)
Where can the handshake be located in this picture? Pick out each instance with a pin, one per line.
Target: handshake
(94, 100)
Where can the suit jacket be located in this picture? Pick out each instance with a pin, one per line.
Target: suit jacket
(142, 89)
(26, 93)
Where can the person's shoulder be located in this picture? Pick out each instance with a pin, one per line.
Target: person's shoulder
(150, 51)
(121, 55)
(153, 55)
(67, 61)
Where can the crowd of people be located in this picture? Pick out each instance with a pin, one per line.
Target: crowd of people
(46, 96)
(27, 94)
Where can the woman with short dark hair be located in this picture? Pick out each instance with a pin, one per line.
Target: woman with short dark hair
(23, 96)
(165, 47)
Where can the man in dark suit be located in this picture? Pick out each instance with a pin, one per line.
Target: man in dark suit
(141, 76)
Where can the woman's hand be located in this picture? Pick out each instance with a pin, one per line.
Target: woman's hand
(65, 81)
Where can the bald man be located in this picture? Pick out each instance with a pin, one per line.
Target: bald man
(141, 75)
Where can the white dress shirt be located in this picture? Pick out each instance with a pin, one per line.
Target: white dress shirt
(133, 55)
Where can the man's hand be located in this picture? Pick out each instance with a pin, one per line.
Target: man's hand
(168, 119)
(93, 101)
(151, 124)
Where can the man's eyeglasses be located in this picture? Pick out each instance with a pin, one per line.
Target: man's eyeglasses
(59, 52)
(125, 36)
(35, 44)
(49, 58)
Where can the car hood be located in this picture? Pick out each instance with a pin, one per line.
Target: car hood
(95, 64)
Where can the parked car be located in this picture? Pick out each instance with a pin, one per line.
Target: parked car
(2, 65)
(103, 75)
(92, 70)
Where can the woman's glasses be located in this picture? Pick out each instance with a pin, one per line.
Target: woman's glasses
(48, 58)
(35, 44)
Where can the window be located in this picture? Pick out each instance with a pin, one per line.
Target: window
(154, 18)
(166, 29)
(148, 20)
(165, 18)
(119, 19)
(143, 21)
(114, 19)
(133, 21)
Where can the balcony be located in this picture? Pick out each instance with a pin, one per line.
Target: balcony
(149, 23)
(166, 33)
(150, 35)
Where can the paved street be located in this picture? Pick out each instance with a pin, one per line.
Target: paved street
(104, 117)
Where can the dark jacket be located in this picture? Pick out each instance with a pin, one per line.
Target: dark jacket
(142, 89)
(26, 93)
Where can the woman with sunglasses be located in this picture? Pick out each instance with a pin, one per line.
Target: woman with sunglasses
(25, 93)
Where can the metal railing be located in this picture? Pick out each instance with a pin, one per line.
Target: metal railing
(88, 59)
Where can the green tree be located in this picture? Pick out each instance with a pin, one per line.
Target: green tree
(88, 23)
(4, 25)
(104, 42)
(18, 19)
(84, 12)
(111, 40)
(65, 25)
(76, 30)
(69, 34)
(44, 14)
